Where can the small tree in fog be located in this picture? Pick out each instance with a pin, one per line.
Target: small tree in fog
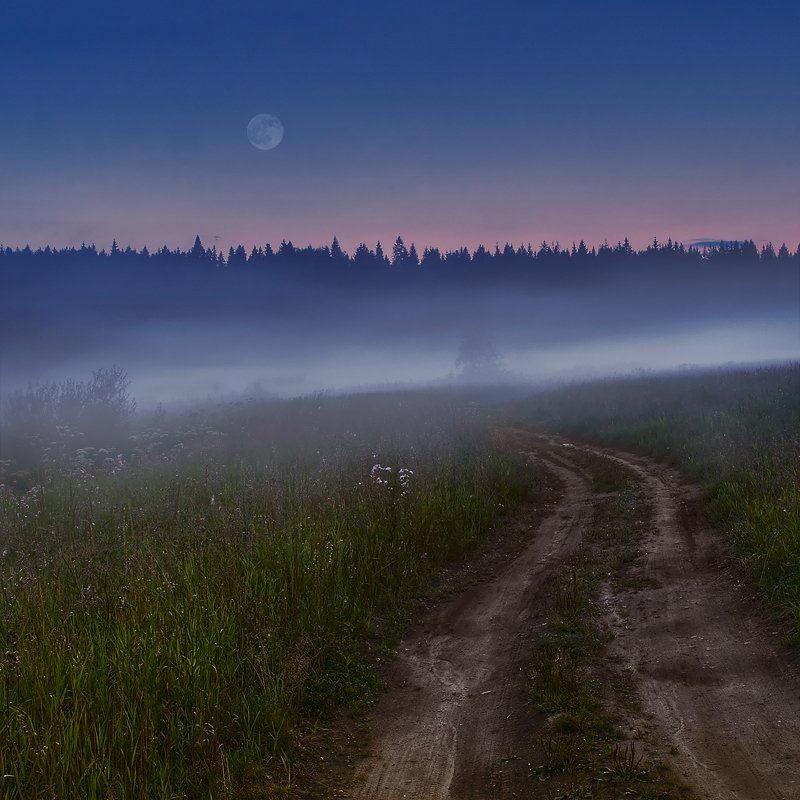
(107, 404)
(478, 359)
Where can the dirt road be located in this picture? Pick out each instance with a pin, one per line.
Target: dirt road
(719, 698)
(722, 694)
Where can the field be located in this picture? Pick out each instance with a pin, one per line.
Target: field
(184, 591)
(737, 432)
(172, 606)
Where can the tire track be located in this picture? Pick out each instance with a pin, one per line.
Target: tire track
(721, 692)
(456, 704)
(716, 689)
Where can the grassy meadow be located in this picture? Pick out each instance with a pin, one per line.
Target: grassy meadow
(736, 431)
(178, 591)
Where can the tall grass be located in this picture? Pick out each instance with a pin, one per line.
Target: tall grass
(164, 625)
(737, 431)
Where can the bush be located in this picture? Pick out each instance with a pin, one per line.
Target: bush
(50, 423)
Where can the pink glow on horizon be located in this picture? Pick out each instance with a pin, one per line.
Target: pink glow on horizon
(444, 237)
(521, 214)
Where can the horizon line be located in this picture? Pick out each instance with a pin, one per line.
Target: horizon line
(696, 244)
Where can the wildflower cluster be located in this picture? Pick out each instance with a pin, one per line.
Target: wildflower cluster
(404, 477)
(381, 476)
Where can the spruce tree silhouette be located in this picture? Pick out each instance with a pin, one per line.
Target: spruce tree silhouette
(337, 254)
(399, 253)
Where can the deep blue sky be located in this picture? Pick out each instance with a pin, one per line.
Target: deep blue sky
(447, 122)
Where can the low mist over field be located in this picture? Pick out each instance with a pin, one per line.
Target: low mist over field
(192, 325)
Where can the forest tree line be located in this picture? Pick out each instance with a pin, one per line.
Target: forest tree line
(407, 256)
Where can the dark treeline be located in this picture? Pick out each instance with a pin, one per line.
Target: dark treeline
(406, 256)
(200, 308)
(182, 316)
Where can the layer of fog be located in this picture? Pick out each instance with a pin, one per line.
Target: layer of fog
(196, 363)
(309, 340)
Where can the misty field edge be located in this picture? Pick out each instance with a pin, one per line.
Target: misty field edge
(737, 432)
(166, 629)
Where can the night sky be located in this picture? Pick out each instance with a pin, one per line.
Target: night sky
(447, 122)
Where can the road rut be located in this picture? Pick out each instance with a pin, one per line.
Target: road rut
(723, 694)
(448, 720)
(719, 693)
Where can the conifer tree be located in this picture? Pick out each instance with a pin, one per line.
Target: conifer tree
(399, 252)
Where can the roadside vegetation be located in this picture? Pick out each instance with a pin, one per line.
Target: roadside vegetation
(178, 592)
(735, 431)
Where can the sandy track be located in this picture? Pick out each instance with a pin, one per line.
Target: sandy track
(456, 700)
(721, 692)
(721, 696)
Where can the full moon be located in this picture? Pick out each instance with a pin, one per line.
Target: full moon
(265, 131)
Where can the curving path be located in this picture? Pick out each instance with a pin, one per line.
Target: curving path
(717, 690)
